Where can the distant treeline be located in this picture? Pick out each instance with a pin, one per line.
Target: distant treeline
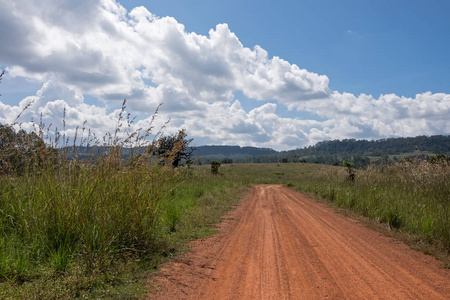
(360, 152)
(391, 146)
(232, 150)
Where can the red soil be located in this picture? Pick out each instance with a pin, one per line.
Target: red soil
(280, 245)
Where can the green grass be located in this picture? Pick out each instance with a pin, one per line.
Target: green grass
(59, 220)
(411, 196)
(89, 230)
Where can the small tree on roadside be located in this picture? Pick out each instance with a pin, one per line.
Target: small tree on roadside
(172, 148)
(22, 152)
(215, 167)
(350, 170)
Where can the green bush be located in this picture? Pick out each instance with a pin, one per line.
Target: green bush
(215, 167)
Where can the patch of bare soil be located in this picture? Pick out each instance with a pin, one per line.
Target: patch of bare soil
(280, 245)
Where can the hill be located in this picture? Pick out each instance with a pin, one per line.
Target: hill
(232, 150)
(391, 146)
(361, 152)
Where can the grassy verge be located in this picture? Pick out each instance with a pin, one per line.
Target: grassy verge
(98, 230)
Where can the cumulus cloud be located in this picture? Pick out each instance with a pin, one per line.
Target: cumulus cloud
(388, 116)
(101, 50)
(55, 104)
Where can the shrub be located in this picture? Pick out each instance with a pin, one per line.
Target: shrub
(215, 167)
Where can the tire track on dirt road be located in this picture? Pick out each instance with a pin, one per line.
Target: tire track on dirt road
(279, 244)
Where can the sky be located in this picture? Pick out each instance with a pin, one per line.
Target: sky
(278, 74)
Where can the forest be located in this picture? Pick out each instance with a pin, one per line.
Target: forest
(361, 152)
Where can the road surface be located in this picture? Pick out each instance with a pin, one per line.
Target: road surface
(279, 244)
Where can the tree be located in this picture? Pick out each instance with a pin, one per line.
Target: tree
(22, 152)
(215, 167)
(226, 160)
(173, 148)
(350, 170)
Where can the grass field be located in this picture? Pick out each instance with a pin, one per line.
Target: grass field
(98, 231)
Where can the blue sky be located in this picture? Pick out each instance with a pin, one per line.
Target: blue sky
(280, 74)
(363, 46)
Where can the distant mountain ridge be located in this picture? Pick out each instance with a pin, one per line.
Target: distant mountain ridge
(232, 150)
(362, 152)
(390, 146)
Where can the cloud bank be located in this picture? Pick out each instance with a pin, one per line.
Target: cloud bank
(97, 49)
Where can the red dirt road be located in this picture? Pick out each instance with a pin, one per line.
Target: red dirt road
(280, 245)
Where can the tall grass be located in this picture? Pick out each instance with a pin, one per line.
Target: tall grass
(83, 224)
(88, 211)
(412, 196)
(79, 213)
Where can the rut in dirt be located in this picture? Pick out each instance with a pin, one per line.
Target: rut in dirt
(279, 244)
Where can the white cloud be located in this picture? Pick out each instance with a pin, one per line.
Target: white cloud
(99, 49)
(388, 116)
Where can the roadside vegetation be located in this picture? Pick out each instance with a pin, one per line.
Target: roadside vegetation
(92, 220)
(97, 231)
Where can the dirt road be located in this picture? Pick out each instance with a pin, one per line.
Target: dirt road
(280, 245)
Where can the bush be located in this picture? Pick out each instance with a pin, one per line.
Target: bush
(215, 167)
